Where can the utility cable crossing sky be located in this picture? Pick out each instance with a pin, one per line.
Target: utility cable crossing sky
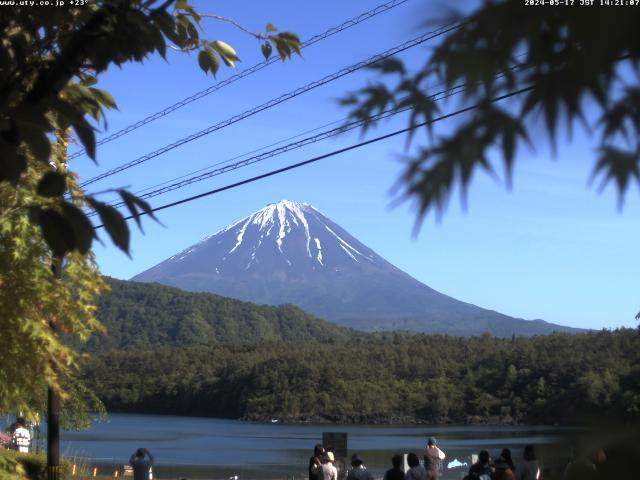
(276, 101)
(326, 155)
(244, 73)
(286, 148)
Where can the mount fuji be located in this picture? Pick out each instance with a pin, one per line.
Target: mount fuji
(291, 253)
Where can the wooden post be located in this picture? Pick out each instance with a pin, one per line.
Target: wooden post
(53, 408)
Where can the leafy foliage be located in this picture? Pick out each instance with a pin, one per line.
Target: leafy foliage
(15, 465)
(50, 61)
(36, 307)
(393, 377)
(569, 64)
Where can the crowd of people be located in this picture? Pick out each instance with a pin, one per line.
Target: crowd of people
(322, 466)
(504, 468)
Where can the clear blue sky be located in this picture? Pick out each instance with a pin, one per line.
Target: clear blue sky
(551, 248)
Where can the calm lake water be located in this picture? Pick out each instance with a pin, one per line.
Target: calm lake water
(193, 447)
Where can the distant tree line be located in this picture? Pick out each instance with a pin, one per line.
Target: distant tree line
(393, 377)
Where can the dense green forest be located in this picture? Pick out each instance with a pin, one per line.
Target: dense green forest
(560, 378)
(142, 316)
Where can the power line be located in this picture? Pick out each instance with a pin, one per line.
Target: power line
(285, 148)
(276, 101)
(209, 173)
(248, 71)
(327, 155)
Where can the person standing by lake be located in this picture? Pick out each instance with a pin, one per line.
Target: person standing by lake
(395, 473)
(503, 470)
(141, 465)
(315, 463)
(416, 471)
(432, 459)
(359, 471)
(329, 471)
(21, 438)
(481, 470)
(528, 469)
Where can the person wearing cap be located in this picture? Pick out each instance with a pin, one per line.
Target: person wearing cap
(329, 471)
(359, 471)
(432, 458)
(141, 465)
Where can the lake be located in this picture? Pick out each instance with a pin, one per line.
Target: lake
(194, 447)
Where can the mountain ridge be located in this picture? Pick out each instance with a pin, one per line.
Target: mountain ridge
(290, 253)
(143, 316)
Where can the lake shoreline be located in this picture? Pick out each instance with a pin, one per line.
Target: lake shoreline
(365, 419)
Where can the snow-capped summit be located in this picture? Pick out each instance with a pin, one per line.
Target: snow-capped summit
(289, 252)
(292, 236)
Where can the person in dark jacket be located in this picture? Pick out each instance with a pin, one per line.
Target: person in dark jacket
(358, 470)
(481, 470)
(416, 471)
(141, 461)
(433, 456)
(315, 463)
(506, 455)
(503, 470)
(395, 473)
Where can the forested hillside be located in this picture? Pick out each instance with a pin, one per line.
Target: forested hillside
(143, 316)
(396, 377)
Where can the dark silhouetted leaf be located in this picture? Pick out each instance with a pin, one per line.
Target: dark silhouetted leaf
(56, 231)
(83, 230)
(52, 184)
(619, 166)
(266, 50)
(113, 222)
(12, 163)
(134, 205)
(87, 137)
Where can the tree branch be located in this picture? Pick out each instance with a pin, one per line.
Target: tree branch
(259, 36)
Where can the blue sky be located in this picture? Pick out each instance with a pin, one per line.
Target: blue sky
(552, 247)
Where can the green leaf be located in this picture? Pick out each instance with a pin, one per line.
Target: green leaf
(266, 50)
(56, 231)
(104, 98)
(83, 230)
(203, 61)
(166, 23)
(113, 222)
(226, 51)
(271, 28)
(52, 184)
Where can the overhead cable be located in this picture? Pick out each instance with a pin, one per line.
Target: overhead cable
(327, 155)
(247, 71)
(286, 148)
(276, 101)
